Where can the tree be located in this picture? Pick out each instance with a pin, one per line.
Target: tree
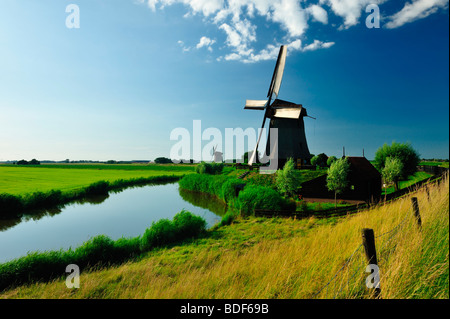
(34, 162)
(337, 179)
(314, 160)
(404, 152)
(287, 180)
(163, 160)
(392, 171)
(319, 160)
(331, 160)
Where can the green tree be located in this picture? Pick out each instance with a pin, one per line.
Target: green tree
(337, 179)
(287, 180)
(392, 171)
(404, 152)
(319, 160)
(331, 160)
(314, 160)
(163, 160)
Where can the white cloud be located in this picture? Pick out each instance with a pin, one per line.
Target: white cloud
(318, 45)
(291, 16)
(349, 10)
(236, 20)
(415, 10)
(318, 13)
(205, 42)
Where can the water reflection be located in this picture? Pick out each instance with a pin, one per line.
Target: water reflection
(205, 201)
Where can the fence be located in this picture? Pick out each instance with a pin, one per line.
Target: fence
(356, 279)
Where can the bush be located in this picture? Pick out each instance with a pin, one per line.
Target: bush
(207, 168)
(164, 231)
(188, 225)
(228, 191)
(160, 233)
(259, 197)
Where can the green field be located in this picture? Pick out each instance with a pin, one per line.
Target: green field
(417, 177)
(440, 164)
(28, 179)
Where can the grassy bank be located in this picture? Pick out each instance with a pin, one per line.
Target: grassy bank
(13, 205)
(285, 258)
(100, 251)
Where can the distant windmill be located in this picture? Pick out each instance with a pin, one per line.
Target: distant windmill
(287, 117)
(217, 157)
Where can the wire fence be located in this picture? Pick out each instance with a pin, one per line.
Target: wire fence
(349, 280)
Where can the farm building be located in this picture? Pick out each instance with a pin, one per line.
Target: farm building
(365, 183)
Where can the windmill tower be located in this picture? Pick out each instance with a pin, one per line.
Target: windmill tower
(217, 157)
(287, 117)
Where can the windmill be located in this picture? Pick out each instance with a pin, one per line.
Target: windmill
(217, 157)
(287, 117)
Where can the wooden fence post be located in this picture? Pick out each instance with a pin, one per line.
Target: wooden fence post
(368, 238)
(415, 204)
(428, 193)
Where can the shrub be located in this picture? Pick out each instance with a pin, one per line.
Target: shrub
(164, 231)
(228, 191)
(207, 168)
(188, 225)
(259, 197)
(160, 233)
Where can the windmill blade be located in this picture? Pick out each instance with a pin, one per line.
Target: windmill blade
(255, 152)
(255, 104)
(288, 113)
(278, 73)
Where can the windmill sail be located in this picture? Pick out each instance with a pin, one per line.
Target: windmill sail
(255, 104)
(278, 73)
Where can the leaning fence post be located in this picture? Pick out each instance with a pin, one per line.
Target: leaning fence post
(368, 238)
(428, 192)
(415, 204)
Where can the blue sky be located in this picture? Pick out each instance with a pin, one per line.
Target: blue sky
(135, 70)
